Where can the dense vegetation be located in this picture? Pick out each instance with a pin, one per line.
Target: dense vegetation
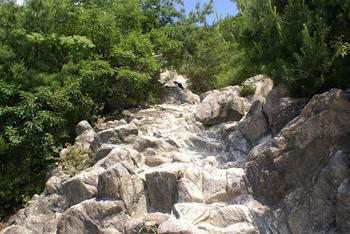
(303, 44)
(62, 61)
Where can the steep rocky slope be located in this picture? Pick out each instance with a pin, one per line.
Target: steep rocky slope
(266, 163)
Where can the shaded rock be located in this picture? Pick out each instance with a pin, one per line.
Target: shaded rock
(281, 109)
(127, 132)
(323, 193)
(144, 142)
(255, 127)
(221, 107)
(79, 188)
(205, 144)
(87, 216)
(38, 217)
(108, 136)
(118, 183)
(162, 190)
(343, 207)
(154, 161)
(104, 150)
(300, 149)
(239, 146)
(82, 126)
(193, 213)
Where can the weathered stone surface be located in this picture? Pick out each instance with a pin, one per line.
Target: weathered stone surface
(38, 217)
(221, 107)
(215, 185)
(143, 143)
(104, 150)
(263, 86)
(85, 139)
(204, 95)
(155, 219)
(110, 124)
(154, 161)
(237, 228)
(301, 183)
(82, 126)
(175, 226)
(15, 229)
(53, 185)
(190, 186)
(87, 216)
(228, 215)
(108, 136)
(193, 213)
(205, 144)
(162, 190)
(281, 109)
(255, 127)
(80, 188)
(118, 183)
(299, 150)
(210, 184)
(343, 207)
(239, 146)
(130, 158)
(126, 132)
(175, 95)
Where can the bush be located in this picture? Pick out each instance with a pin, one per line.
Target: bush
(76, 159)
(247, 90)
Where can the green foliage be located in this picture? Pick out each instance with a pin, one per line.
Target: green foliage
(148, 230)
(342, 49)
(62, 61)
(247, 90)
(215, 59)
(76, 159)
(299, 43)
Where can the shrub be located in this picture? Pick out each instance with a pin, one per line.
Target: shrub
(247, 90)
(76, 159)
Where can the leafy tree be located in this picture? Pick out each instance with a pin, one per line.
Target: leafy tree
(302, 55)
(62, 61)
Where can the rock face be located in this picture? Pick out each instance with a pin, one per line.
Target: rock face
(281, 109)
(263, 86)
(302, 148)
(262, 164)
(222, 106)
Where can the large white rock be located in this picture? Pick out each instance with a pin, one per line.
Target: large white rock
(221, 107)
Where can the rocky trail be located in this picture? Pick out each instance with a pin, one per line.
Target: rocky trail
(220, 163)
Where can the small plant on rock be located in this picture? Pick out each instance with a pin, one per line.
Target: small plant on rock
(247, 90)
(76, 159)
(149, 229)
